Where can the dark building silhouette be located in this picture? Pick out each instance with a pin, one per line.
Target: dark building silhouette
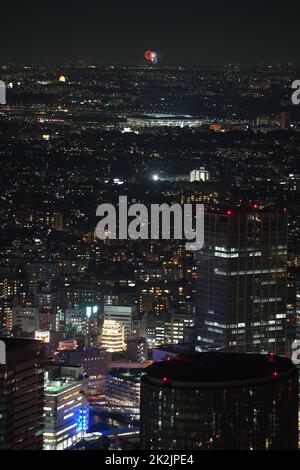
(241, 284)
(21, 395)
(220, 401)
(285, 120)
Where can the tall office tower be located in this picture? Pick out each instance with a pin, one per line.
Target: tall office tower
(241, 282)
(121, 314)
(21, 395)
(220, 401)
(169, 327)
(66, 408)
(83, 321)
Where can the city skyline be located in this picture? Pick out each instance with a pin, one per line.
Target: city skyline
(149, 227)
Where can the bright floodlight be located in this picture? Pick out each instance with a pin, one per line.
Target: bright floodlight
(155, 177)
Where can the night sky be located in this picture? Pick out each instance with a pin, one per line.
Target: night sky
(118, 31)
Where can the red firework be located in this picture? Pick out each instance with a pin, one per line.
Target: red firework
(148, 55)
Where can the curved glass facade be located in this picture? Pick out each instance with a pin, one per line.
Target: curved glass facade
(257, 415)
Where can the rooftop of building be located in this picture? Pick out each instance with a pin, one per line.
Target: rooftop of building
(56, 386)
(17, 343)
(175, 348)
(255, 208)
(217, 367)
(126, 373)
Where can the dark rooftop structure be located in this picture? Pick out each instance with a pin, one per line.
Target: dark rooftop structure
(218, 368)
(16, 343)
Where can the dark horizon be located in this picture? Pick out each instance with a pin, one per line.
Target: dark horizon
(181, 32)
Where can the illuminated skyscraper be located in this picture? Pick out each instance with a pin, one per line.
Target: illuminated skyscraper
(122, 315)
(241, 285)
(123, 387)
(220, 401)
(66, 408)
(112, 337)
